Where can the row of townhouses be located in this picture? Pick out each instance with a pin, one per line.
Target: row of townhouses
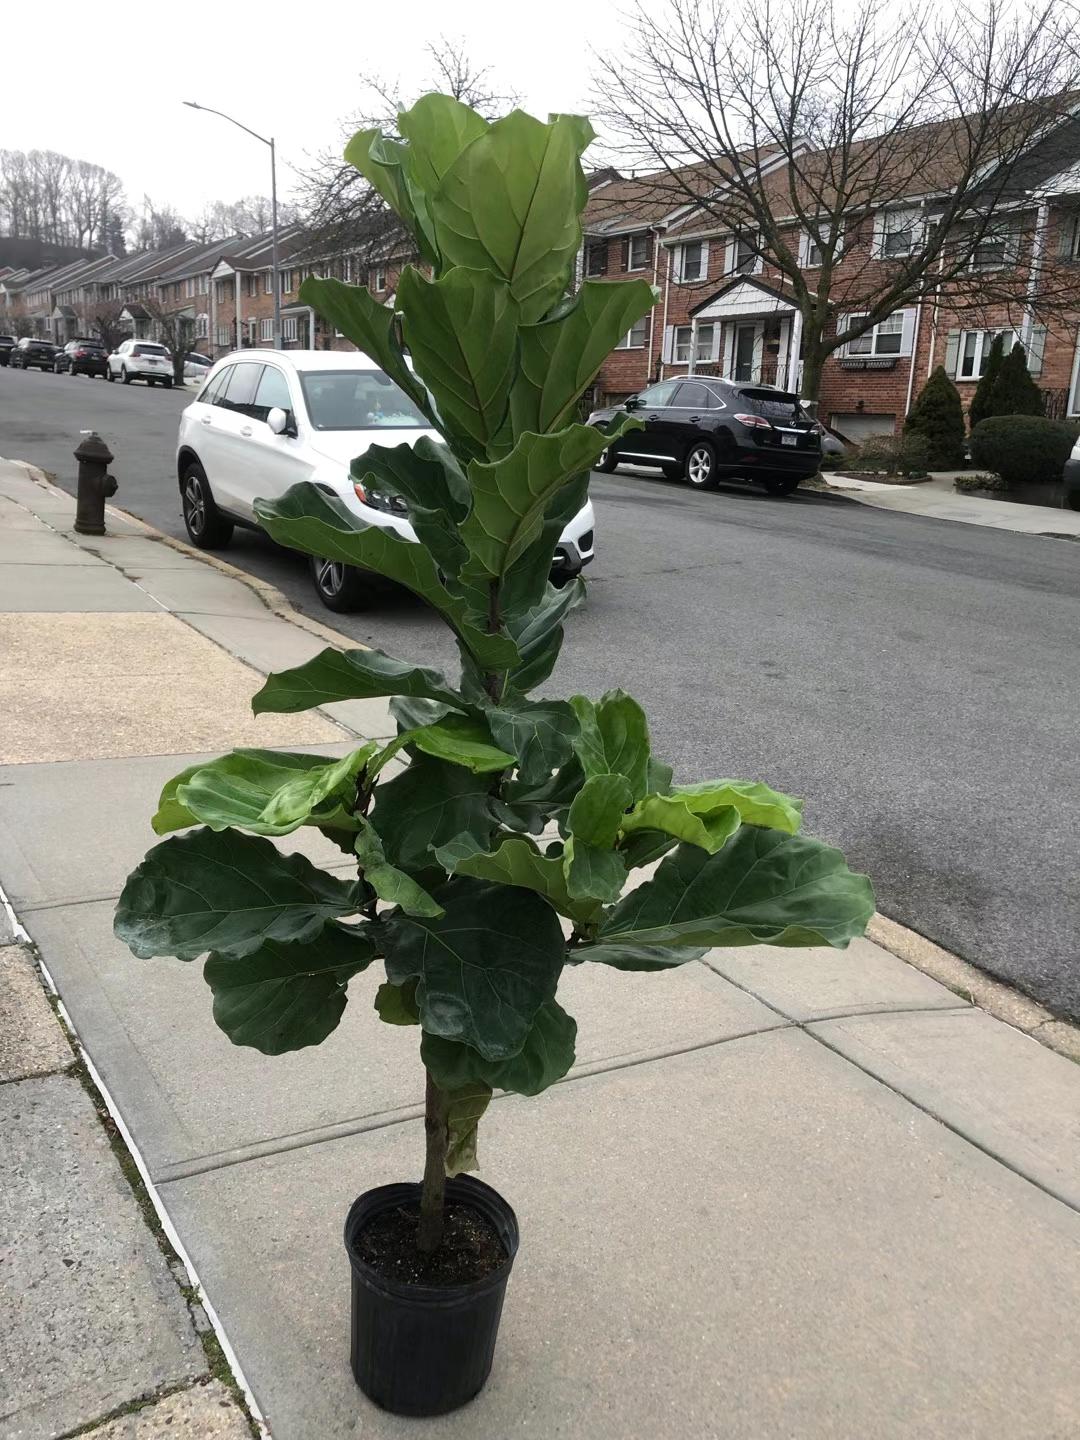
(723, 309)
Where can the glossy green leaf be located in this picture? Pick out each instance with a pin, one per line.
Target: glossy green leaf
(593, 873)
(672, 814)
(560, 357)
(517, 862)
(757, 804)
(380, 161)
(462, 740)
(642, 847)
(628, 955)
(171, 814)
(546, 1056)
(614, 738)
(308, 519)
(465, 1107)
(461, 332)
(225, 891)
(389, 883)
(268, 792)
(286, 996)
(764, 887)
(510, 204)
(427, 806)
(436, 493)
(438, 128)
(396, 1004)
(369, 325)
(349, 675)
(483, 968)
(511, 496)
(598, 810)
(537, 632)
(540, 733)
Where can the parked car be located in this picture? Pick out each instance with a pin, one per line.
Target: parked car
(141, 360)
(7, 344)
(703, 430)
(1070, 480)
(196, 366)
(266, 420)
(82, 357)
(29, 354)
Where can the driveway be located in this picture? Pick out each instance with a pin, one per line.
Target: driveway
(916, 680)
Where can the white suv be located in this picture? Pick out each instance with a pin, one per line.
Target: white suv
(141, 360)
(267, 419)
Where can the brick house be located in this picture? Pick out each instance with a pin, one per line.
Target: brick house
(723, 310)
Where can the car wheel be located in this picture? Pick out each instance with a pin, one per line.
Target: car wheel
(607, 461)
(167, 384)
(338, 586)
(1071, 500)
(700, 466)
(207, 527)
(781, 484)
(57, 370)
(124, 376)
(109, 376)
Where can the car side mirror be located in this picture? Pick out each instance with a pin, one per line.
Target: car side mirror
(281, 421)
(632, 404)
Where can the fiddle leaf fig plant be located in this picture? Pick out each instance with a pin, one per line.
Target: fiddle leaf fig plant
(512, 836)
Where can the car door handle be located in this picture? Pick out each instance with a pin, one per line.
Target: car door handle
(653, 416)
(695, 419)
(206, 420)
(245, 430)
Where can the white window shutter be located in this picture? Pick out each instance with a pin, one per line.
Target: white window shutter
(704, 260)
(878, 245)
(1035, 349)
(907, 337)
(952, 353)
(729, 256)
(669, 344)
(759, 258)
(842, 323)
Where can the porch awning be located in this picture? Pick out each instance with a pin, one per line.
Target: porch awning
(744, 297)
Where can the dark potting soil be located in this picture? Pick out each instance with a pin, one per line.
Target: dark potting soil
(470, 1247)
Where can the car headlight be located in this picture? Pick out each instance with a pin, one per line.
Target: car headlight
(392, 504)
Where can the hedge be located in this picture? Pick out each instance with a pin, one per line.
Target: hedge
(1023, 449)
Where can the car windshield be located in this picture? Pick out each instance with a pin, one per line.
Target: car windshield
(773, 404)
(149, 350)
(358, 400)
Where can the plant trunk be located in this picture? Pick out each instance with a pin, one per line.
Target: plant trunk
(430, 1232)
(810, 388)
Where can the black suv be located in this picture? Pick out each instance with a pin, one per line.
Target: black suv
(28, 353)
(704, 430)
(82, 357)
(7, 344)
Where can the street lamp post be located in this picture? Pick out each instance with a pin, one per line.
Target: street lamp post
(193, 105)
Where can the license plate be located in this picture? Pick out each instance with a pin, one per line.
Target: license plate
(789, 439)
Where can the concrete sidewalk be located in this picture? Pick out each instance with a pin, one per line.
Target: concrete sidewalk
(937, 499)
(781, 1193)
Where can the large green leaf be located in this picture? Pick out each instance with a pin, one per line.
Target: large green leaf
(285, 996)
(308, 519)
(269, 792)
(546, 1056)
(517, 862)
(593, 873)
(511, 496)
(396, 1004)
(381, 162)
(598, 810)
(465, 1107)
(462, 335)
(350, 675)
(614, 739)
(674, 816)
(510, 204)
(428, 805)
(460, 739)
(539, 732)
(628, 955)
(438, 128)
(757, 804)
(389, 883)
(483, 968)
(764, 887)
(560, 356)
(537, 633)
(369, 325)
(224, 891)
(436, 493)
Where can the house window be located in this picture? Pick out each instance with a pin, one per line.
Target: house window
(691, 261)
(637, 252)
(202, 326)
(596, 257)
(378, 279)
(268, 282)
(684, 335)
(997, 247)
(204, 284)
(223, 335)
(975, 347)
(189, 288)
(251, 285)
(811, 256)
(743, 258)
(289, 329)
(266, 329)
(286, 279)
(635, 339)
(886, 337)
(219, 291)
(705, 337)
(899, 233)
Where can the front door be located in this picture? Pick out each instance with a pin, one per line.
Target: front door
(770, 353)
(744, 362)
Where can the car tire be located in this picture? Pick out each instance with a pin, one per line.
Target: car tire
(339, 587)
(109, 376)
(607, 461)
(168, 384)
(1071, 500)
(207, 528)
(672, 472)
(782, 484)
(699, 467)
(56, 368)
(124, 376)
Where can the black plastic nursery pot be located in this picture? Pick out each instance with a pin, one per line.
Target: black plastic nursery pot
(419, 1349)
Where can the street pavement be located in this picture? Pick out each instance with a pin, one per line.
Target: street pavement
(916, 680)
(781, 1193)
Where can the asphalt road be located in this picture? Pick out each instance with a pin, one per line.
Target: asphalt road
(918, 681)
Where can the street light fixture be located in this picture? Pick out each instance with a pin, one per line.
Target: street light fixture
(193, 105)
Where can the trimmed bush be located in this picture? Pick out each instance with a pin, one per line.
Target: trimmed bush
(1023, 449)
(906, 454)
(1014, 391)
(938, 417)
(980, 401)
(979, 482)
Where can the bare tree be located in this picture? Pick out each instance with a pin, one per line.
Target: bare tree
(102, 318)
(158, 227)
(802, 119)
(175, 328)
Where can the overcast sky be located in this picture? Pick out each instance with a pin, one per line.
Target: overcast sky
(105, 83)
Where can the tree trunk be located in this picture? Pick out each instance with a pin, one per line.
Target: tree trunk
(810, 389)
(430, 1232)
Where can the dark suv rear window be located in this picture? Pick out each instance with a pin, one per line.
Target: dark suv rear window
(149, 350)
(772, 404)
